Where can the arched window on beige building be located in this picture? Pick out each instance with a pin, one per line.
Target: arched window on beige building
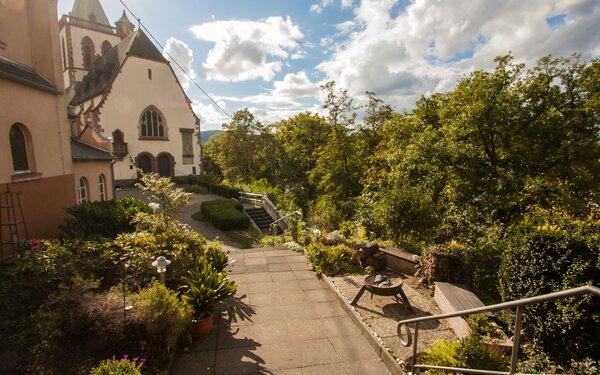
(19, 148)
(101, 188)
(83, 190)
(152, 124)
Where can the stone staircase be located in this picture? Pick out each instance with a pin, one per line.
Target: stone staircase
(260, 217)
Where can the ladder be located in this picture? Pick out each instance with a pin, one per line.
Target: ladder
(13, 229)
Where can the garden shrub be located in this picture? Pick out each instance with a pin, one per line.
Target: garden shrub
(469, 352)
(332, 260)
(123, 366)
(75, 325)
(474, 353)
(162, 319)
(104, 218)
(442, 353)
(142, 248)
(549, 252)
(225, 214)
(196, 189)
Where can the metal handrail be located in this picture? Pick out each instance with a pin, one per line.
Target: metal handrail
(252, 197)
(518, 305)
(286, 216)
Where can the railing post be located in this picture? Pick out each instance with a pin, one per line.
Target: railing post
(516, 339)
(414, 356)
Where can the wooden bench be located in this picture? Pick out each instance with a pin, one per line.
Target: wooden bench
(451, 298)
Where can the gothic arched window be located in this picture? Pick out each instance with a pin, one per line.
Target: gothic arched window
(88, 51)
(152, 124)
(105, 46)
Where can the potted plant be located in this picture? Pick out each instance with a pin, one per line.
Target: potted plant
(204, 288)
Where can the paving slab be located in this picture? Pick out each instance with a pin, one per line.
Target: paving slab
(283, 320)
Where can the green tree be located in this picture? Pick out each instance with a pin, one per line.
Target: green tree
(237, 153)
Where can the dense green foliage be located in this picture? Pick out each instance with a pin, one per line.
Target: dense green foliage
(549, 252)
(162, 316)
(104, 218)
(64, 300)
(472, 167)
(224, 214)
(123, 366)
(332, 260)
(204, 287)
(469, 352)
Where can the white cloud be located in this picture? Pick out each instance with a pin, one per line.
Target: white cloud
(430, 44)
(247, 50)
(183, 54)
(210, 116)
(318, 7)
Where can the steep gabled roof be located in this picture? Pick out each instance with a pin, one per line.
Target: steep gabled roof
(84, 8)
(25, 75)
(106, 67)
(81, 151)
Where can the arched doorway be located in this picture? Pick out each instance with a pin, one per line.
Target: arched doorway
(164, 166)
(144, 163)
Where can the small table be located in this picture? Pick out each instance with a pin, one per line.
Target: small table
(394, 288)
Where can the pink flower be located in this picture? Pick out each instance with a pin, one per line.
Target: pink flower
(35, 244)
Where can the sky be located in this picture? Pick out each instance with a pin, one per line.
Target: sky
(271, 56)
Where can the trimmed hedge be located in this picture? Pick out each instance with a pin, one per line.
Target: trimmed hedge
(225, 214)
(212, 188)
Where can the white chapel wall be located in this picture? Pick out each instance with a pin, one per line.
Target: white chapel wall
(131, 94)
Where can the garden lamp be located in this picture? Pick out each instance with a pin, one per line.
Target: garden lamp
(161, 264)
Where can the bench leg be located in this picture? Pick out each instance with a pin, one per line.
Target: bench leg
(405, 300)
(358, 295)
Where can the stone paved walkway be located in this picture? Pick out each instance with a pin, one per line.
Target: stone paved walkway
(283, 320)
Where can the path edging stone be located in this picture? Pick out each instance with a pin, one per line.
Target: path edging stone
(381, 352)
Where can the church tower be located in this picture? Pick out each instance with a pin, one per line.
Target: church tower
(85, 34)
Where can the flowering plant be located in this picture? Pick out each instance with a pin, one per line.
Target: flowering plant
(123, 366)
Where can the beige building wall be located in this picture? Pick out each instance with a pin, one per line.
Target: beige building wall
(29, 32)
(133, 92)
(91, 171)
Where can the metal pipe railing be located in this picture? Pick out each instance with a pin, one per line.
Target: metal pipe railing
(518, 305)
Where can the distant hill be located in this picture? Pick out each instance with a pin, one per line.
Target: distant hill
(206, 134)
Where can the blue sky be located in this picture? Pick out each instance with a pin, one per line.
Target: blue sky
(271, 55)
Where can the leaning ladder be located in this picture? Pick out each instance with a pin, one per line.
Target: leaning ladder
(13, 229)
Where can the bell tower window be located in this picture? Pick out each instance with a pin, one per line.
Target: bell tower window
(88, 52)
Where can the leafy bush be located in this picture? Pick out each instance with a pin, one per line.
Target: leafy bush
(469, 352)
(332, 260)
(225, 214)
(161, 317)
(142, 248)
(549, 252)
(123, 366)
(442, 353)
(205, 287)
(218, 258)
(212, 188)
(104, 218)
(196, 189)
(474, 353)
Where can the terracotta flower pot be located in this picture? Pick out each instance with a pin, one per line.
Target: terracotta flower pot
(202, 328)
